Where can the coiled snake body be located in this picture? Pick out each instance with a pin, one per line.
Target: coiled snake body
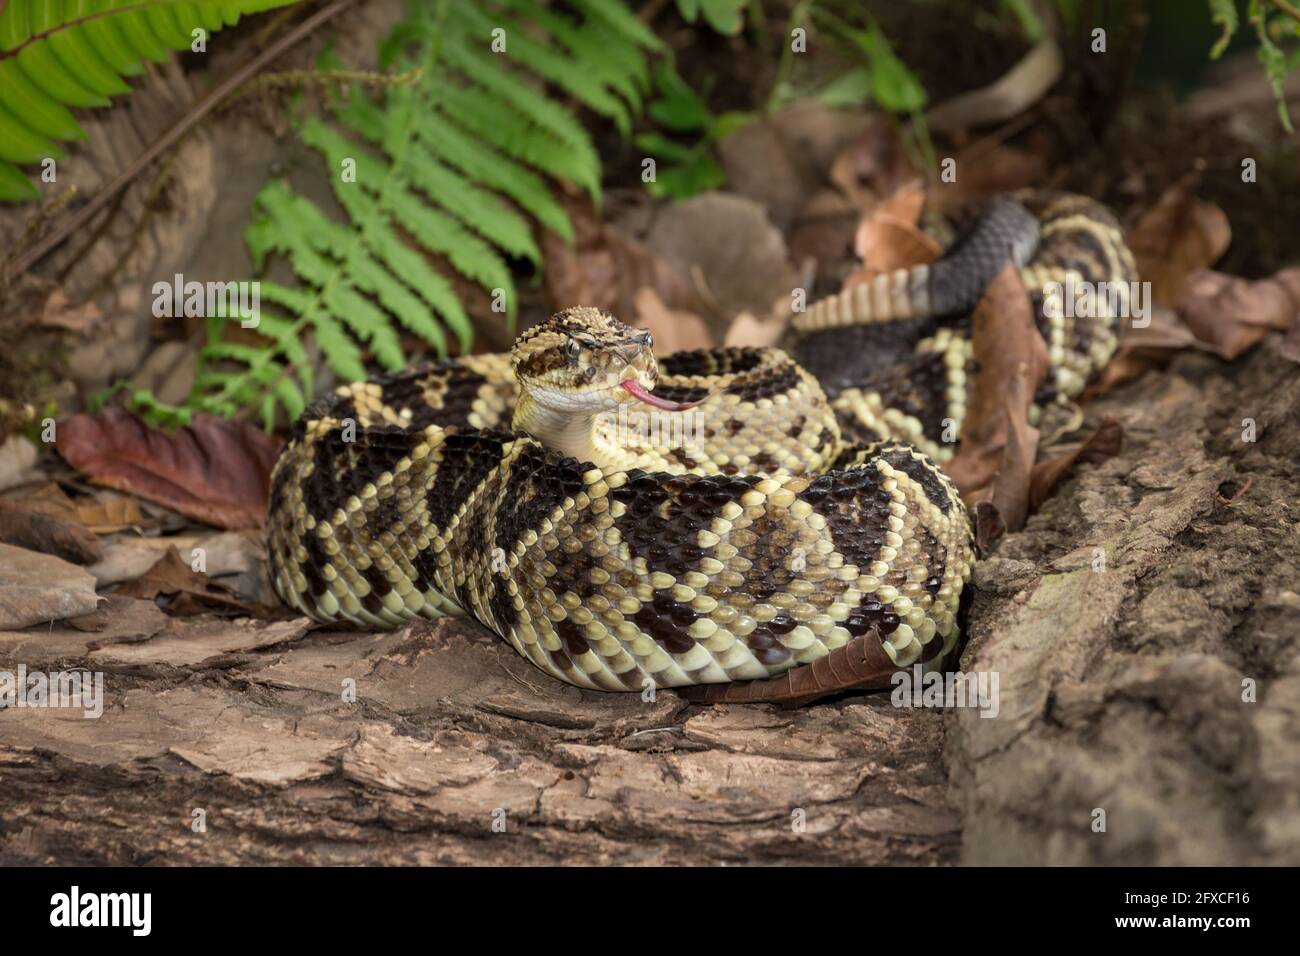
(702, 518)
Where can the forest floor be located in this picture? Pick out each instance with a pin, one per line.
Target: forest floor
(1121, 690)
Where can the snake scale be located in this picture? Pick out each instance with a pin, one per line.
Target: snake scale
(714, 517)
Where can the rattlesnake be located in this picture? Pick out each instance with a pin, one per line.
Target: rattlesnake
(797, 516)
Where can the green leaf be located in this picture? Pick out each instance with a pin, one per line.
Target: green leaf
(724, 15)
(848, 89)
(662, 148)
(698, 174)
(1223, 13)
(49, 61)
(678, 107)
(893, 85)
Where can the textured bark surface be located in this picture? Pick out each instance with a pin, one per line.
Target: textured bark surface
(1126, 623)
(1120, 689)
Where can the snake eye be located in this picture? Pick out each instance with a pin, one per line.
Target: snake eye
(572, 349)
(646, 339)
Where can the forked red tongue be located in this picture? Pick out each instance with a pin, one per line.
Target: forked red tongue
(633, 388)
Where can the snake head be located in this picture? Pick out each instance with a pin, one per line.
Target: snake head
(584, 359)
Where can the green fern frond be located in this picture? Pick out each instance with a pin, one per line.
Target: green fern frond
(75, 54)
(449, 168)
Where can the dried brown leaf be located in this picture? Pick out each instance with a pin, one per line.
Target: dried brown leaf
(749, 330)
(674, 330)
(1232, 314)
(604, 267)
(873, 166)
(1177, 236)
(998, 445)
(28, 528)
(101, 515)
(214, 471)
(59, 313)
(188, 592)
(888, 237)
(987, 170)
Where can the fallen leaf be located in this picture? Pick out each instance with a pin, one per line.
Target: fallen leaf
(736, 257)
(1010, 94)
(674, 330)
(888, 237)
(199, 641)
(59, 313)
(998, 445)
(121, 620)
(1176, 237)
(604, 267)
(750, 331)
(31, 529)
(1232, 314)
(234, 559)
(101, 515)
(189, 592)
(37, 588)
(986, 169)
(1010, 489)
(989, 526)
(873, 166)
(214, 471)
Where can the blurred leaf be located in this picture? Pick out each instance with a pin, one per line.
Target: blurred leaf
(724, 15)
(1031, 25)
(1275, 66)
(698, 174)
(662, 148)
(1224, 13)
(729, 122)
(848, 89)
(893, 85)
(678, 107)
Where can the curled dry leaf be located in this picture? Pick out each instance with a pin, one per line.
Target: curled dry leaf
(888, 237)
(102, 514)
(188, 592)
(674, 330)
(36, 531)
(989, 526)
(987, 168)
(59, 313)
(214, 471)
(1232, 314)
(605, 267)
(749, 330)
(998, 445)
(1010, 94)
(1177, 236)
(873, 166)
